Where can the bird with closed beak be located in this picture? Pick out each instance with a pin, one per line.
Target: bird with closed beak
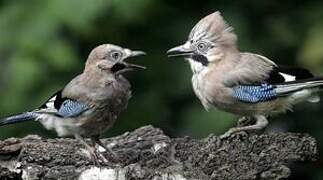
(89, 104)
(242, 83)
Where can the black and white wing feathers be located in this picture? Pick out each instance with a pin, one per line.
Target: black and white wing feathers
(63, 107)
(281, 81)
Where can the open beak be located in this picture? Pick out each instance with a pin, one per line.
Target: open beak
(179, 51)
(135, 54)
(124, 66)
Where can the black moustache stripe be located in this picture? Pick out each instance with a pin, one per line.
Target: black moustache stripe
(200, 58)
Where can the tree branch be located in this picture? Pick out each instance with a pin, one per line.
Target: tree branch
(147, 153)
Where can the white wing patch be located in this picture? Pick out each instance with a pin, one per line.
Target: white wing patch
(288, 77)
(50, 103)
(314, 99)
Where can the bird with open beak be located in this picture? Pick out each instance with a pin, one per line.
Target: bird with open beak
(89, 104)
(242, 83)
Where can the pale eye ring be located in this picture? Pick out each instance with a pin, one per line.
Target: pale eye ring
(115, 55)
(202, 46)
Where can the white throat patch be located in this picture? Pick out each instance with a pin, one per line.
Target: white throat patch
(196, 67)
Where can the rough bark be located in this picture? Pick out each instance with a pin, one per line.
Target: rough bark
(147, 153)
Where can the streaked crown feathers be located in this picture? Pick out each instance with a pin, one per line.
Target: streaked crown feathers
(215, 29)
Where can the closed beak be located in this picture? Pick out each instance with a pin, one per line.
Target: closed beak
(179, 51)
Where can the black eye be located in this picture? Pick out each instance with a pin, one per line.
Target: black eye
(115, 55)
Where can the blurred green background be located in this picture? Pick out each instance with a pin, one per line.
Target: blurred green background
(44, 44)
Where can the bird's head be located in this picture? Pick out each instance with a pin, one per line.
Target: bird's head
(112, 59)
(208, 42)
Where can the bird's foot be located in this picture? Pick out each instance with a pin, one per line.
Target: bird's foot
(234, 132)
(98, 158)
(114, 156)
(245, 121)
(260, 124)
(102, 158)
(94, 157)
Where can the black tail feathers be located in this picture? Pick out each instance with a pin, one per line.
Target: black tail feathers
(27, 116)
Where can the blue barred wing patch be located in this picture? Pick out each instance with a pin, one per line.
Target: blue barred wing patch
(70, 108)
(254, 94)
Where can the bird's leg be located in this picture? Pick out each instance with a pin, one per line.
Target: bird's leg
(91, 149)
(96, 140)
(261, 122)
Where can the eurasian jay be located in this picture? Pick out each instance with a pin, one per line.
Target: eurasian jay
(241, 83)
(89, 104)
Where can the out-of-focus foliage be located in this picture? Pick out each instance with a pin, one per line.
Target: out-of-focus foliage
(44, 44)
